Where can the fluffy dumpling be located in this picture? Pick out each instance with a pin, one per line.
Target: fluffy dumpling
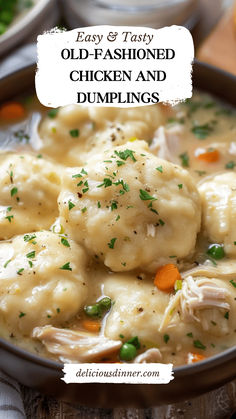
(29, 190)
(130, 208)
(78, 132)
(219, 210)
(42, 281)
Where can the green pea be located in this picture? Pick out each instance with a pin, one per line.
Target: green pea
(216, 251)
(127, 352)
(105, 303)
(93, 310)
(134, 341)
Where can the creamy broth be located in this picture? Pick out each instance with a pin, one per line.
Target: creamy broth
(94, 203)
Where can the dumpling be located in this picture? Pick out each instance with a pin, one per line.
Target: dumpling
(77, 133)
(29, 190)
(43, 280)
(130, 208)
(218, 195)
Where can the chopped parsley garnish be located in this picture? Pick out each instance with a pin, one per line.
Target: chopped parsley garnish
(106, 182)
(134, 341)
(198, 344)
(121, 336)
(202, 131)
(108, 161)
(53, 113)
(124, 185)
(99, 204)
(6, 263)
(58, 310)
(84, 210)
(19, 272)
(120, 163)
(70, 205)
(190, 335)
(9, 209)
(86, 187)
(83, 172)
(9, 218)
(39, 156)
(30, 263)
(80, 183)
(21, 136)
(180, 186)
(230, 165)
(200, 172)
(22, 314)
(161, 222)
(233, 283)
(144, 195)
(31, 255)
(28, 237)
(14, 191)
(74, 133)
(114, 205)
(226, 316)
(118, 217)
(65, 242)
(66, 267)
(184, 159)
(112, 243)
(153, 210)
(166, 338)
(48, 316)
(160, 169)
(123, 155)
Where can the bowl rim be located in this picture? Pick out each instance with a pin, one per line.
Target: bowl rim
(37, 8)
(179, 371)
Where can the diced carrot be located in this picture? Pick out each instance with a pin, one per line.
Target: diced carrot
(166, 277)
(210, 156)
(91, 325)
(166, 109)
(11, 110)
(193, 357)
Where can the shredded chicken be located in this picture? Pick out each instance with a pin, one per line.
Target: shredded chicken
(195, 295)
(75, 346)
(165, 143)
(149, 356)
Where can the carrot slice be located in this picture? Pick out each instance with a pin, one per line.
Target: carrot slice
(210, 156)
(91, 325)
(193, 357)
(166, 277)
(12, 110)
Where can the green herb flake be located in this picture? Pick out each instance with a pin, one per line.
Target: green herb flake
(70, 205)
(161, 222)
(19, 272)
(84, 210)
(39, 156)
(114, 205)
(160, 169)
(99, 204)
(65, 242)
(106, 182)
(144, 195)
(166, 338)
(184, 159)
(198, 344)
(202, 131)
(232, 282)
(53, 113)
(9, 209)
(123, 155)
(6, 263)
(180, 186)
(226, 316)
(28, 237)
(120, 163)
(118, 217)
(121, 336)
(22, 314)
(66, 267)
(190, 335)
(230, 165)
(31, 255)
(9, 218)
(200, 172)
(112, 243)
(14, 191)
(58, 310)
(74, 133)
(30, 263)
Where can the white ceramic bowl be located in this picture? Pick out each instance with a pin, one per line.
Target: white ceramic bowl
(41, 16)
(151, 13)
